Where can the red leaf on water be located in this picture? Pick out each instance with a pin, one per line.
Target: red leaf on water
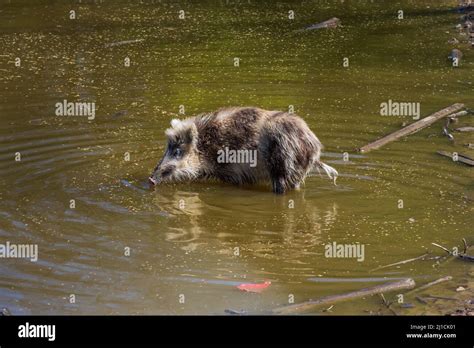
(254, 287)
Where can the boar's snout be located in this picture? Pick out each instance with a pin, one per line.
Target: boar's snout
(163, 172)
(155, 177)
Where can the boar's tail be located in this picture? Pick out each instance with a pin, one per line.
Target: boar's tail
(330, 171)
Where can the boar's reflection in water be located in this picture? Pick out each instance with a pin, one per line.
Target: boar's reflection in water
(281, 232)
(287, 150)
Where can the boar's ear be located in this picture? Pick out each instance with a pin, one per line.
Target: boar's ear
(191, 134)
(175, 123)
(183, 131)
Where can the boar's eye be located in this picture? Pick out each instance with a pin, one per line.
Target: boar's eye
(178, 153)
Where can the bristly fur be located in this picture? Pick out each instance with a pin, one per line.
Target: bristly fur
(285, 146)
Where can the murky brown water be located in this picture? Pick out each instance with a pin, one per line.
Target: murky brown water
(183, 238)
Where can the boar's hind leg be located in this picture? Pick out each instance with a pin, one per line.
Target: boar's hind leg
(278, 186)
(276, 164)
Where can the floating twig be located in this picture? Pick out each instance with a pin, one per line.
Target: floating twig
(407, 283)
(412, 128)
(458, 158)
(387, 304)
(235, 312)
(442, 247)
(330, 23)
(465, 129)
(421, 299)
(446, 128)
(465, 245)
(328, 309)
(462, 256)
(126, 42)
(399, 263)
(460, 113)
(442, 298)
(428, 285)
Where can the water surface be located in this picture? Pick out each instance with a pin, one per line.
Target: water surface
(184, 239)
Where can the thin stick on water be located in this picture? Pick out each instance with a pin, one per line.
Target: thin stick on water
(387, 304)
(428, 285)
(412, 128)
(399, 263)
(421, 299)
(442, 247)
(407, 283)
(442, 298)
(465, 245)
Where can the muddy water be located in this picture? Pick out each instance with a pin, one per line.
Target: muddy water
(126, 249)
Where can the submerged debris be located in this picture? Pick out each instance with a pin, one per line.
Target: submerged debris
(455, 56)
(457, 157)
(466, 7)
(453, 41)
(465, 129)
(126, 42)
(400, 263)
(453, 118)
(330, 23)
(4, 312)
(466, 27)
(235, 312)
(430, 284)
(462, 256)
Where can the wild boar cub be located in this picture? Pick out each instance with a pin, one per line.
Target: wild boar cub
(241, 146)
